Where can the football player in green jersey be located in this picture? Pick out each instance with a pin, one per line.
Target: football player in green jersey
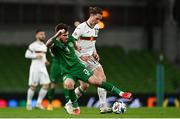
(55, 74)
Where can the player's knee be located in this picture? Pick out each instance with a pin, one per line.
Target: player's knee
(94, 81)
(52, 85)
(69, 84)
(103, 77)
(33, 87)
(45, 86)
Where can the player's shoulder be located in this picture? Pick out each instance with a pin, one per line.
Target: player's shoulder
(32, 44)
(71, 38)
(83, 24)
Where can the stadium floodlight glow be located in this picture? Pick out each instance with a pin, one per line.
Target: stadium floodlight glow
(101, 25)
(105, 14)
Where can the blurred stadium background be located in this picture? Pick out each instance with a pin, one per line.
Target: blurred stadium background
(135, 34)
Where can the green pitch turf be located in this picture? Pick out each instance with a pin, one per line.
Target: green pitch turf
(91, 113)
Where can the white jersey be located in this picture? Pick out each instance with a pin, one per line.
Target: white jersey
(38, 71)
(86, 37)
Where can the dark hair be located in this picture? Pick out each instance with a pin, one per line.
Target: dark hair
(61, 26)
(39, 30)
(95, 10)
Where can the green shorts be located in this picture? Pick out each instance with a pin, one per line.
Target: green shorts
(78, 72)
(55, 72)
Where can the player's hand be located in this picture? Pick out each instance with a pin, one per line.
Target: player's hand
(85, 58)
(39, 55)
(96, 56)
(59, 33)
(77, 46)
(47, 63)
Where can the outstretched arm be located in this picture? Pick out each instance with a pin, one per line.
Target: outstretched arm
(32, 55)
(49, 43)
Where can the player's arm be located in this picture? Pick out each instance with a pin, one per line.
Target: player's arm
(46, 61)
(49, 43)
(76, 35)
(77, 50)
(30, 54)
(95, 54)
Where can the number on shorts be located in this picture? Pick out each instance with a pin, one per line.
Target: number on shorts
(86, 72)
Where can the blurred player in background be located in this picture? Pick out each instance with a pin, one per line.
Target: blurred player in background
(38, 73)
(86, 33)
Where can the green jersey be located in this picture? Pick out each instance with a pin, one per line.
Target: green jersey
(65, 54)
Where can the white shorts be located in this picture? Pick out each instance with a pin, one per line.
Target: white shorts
(92, 64)
(36, 78)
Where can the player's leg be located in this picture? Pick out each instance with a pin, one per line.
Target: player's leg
(86, 75)
(93, 79)
(44, 81)
(54, 77)
(30, 94)
(98, 71)
(51, 93)
(42, 94)
(69, 84)
(102, 93)
(33, 82)
(109, 87)
(80, 90)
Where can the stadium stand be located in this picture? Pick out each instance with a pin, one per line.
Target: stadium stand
(132, 70)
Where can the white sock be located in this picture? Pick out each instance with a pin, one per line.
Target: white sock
(102, 96)
(42, 94)
(79, 91)
(121, 93)
(30, 94)
(69, 102)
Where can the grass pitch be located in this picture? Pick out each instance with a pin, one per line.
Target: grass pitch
(91, 113)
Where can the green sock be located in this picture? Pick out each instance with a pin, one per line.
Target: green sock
(51, 93)
(66, 95)
(73, 98)
(110, 87)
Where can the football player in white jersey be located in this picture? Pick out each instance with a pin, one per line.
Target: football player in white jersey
(86, 34)
(38, 73)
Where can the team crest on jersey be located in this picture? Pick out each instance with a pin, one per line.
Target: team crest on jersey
(75, 34)
(71, 44)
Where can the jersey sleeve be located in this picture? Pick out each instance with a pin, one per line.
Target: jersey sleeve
(77, 32)
(31, 47)
(30, 53)
(57, 43)
(71, 38)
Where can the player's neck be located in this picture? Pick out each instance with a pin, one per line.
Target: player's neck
(41, 41)
(89, 23)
